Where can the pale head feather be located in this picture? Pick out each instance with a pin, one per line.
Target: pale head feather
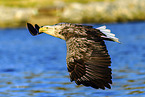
(52, 30)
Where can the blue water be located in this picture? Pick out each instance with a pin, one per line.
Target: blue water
(36, 66)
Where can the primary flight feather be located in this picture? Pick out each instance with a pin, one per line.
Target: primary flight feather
(87, 58)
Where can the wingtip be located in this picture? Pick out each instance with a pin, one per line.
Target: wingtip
(31, 29)
(37, 27)
(28, 23)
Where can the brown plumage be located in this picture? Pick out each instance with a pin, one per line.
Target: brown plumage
(87, 59)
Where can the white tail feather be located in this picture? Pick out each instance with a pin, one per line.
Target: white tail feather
(101, 28)
(108, 33)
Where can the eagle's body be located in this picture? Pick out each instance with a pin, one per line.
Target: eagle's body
(88, 60)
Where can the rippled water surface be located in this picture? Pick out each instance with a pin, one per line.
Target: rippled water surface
(36, 66)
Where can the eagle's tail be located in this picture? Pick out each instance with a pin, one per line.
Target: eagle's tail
(107, 34)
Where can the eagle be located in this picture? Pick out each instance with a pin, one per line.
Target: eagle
(87, 57)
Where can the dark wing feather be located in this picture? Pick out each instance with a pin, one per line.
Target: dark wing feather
(33, 30)
(37, 28)
(88, 62)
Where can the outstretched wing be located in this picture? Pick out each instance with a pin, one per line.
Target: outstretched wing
(88, 62)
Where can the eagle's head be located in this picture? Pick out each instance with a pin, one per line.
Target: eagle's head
(53, 30)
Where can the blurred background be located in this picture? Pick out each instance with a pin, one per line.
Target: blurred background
(15, 13)
(36, 66)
